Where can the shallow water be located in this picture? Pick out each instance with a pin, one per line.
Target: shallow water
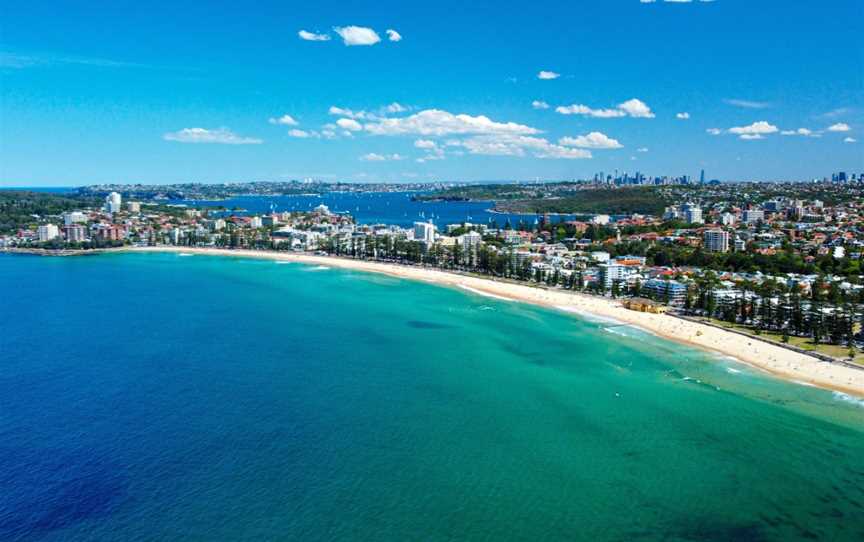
(150, 396)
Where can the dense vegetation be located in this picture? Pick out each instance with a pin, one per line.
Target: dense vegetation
(623, 201)
(565, 198)
(21, 209)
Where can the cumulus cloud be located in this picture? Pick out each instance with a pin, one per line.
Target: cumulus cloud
(395, 107)
(839, 127)
(425, 144)
(759, 128)
(435, 122)
(682, 116)
(547, 75)
(594, 140)
(631, 108)
(714, 131)
(349, 124)
(285, 120)
(357, 35)
(375, 157)
(312, 36)
(519, 145)
(299, 133)
(746, 104)
(392, 35)
(642, 149)
(203, 135)
(636, 108)
(850, 140)
(539, 104)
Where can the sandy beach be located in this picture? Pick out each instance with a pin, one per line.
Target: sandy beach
(768, 357)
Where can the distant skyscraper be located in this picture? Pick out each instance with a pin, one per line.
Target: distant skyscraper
(702, 177)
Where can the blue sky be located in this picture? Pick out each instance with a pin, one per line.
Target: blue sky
(163, 92)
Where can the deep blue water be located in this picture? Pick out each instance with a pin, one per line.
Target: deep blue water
(161, 397)
(384, 208)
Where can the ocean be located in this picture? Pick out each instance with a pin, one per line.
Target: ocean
(162, 397)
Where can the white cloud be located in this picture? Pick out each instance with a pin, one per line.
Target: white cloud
(714, 131)
(285, 120)
(594, 140)
(342, 112)
(633, 108)
(375, 157)
(546, 75)
(425, 144)
(299, 133)
(539, 104)
(850, 140)
(389, 109)
(636, 108)
(392, 35)
(682, 116)
(519, 145)
(203, 135)
(311, 36)
(395, 107)
(642, 149)
(349, 124)
(435, 122)
(806, 132)
(839, 127)
(757, 128)
(579, 109)
(357, 35)
(747, 104)
(751, 136)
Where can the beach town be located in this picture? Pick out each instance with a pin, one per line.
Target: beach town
(775, 284)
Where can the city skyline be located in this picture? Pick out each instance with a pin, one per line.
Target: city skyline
(385, 92)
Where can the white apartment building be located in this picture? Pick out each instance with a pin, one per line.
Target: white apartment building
(716, 240)
(47, 232)
(692, 214)
(113, 202)
(424, 232)
(74, 217)
(752, 216)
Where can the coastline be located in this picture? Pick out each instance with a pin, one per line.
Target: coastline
(776, 360)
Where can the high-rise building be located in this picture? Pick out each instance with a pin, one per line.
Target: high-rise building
(47, 232)
(752, 216)
(716, 240)
(133, 207)
(692, 214)
(424, 232)
(610, 273)
(113, 202)
(702, 177)
(75, 233)
(74, 217)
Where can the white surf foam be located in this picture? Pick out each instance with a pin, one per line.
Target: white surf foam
(484, 294)
(846, 398)
(590, 316)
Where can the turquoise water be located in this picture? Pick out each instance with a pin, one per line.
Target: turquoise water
(162, 397)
